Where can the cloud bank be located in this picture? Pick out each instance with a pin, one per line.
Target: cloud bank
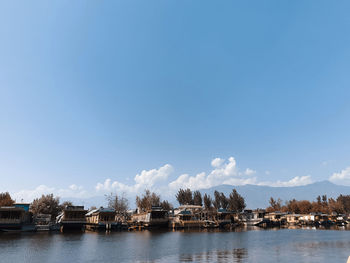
(69, 192)
(343, 177)
(163, 180)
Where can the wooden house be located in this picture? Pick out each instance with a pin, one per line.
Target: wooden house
(188, 216)
(43, 222)
(155, 217)
(11, 218)
(102, 219)
(275, 218)
(252, 217)
(224, 218)
(293, 219)
(72, 217)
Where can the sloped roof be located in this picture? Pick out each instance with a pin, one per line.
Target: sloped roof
(101, 209)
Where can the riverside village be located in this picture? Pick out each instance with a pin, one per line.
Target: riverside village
(194, 212)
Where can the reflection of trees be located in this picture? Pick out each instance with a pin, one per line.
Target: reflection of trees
(234, 255)
(186, 258)
(239, 254)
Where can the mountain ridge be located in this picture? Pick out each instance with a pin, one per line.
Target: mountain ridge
(256, 196)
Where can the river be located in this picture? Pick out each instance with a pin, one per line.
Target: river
(282, 245)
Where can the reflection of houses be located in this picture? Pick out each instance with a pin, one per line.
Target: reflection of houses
(188, 216)
(102, 219)
(11, 217)
(252, 217)
(72, 217)
(155, 217)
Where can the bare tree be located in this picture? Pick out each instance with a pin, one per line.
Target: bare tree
(275, 205)
(6, 200)
(166, 205)
(46, 204)
(344, 200)
(119, 203)
(65, 204)
(147, 200)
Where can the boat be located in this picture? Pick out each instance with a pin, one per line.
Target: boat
(156, 217)
(11, 218)
(72, 218)
(102, 219)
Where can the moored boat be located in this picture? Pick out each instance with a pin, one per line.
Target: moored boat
(72, 218)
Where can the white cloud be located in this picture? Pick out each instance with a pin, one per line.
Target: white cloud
(149, 178)
(341, 178)
(145, 180)
(71, 191)
(249, 171)
(109, 186)
(296, 181)
(217, 162)
(223, 173)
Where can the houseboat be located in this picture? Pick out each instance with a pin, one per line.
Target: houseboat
(102, 219)
(275, 219)
(341, 220)
(72, 218)
(253, 217)
(224, 218)
(11, 218)
(155, 217)
(323, 220)
(293, 219)
(43, 222)
(189, 216)
(307, 219)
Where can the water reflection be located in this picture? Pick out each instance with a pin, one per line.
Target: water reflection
(235, 255)
(242, 245)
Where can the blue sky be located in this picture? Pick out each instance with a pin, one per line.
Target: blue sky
(97, 90)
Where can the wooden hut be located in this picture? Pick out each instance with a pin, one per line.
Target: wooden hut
(155, 217)
(102, 219)
(72, 217)
(188, 216)
(11, 218)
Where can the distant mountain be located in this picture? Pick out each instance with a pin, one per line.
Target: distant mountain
(257, 196)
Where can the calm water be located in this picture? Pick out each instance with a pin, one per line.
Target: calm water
(284, 245)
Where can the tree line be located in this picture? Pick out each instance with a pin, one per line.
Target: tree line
(234, 202)
(50, 204)
(322, 204)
